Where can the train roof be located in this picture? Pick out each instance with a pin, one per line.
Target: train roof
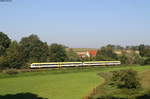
(72, 62)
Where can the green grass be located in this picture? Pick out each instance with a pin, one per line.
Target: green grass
(52, 86)
(72, 83)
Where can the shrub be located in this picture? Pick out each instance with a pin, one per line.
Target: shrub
(125, 78)
(11, 71)
(147, 61)
(142, 95)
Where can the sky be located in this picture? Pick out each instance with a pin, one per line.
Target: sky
(78, 23)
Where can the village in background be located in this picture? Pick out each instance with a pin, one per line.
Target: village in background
(91, 52)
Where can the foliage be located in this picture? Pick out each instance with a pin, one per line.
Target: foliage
(34, 49)
(57, 53)
(4, 43)
(11, 71)
(117, 47)
(72, 56)
(123, 58)
(126, 79)
(106, 53)
(146, 60)
(144, 50)
(92, 58)
(13, 57)
(130, 58)
(144, 95)
(135, 48)
(3, 62)
(107, 91)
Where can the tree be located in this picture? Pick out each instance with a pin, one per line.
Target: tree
(3, 62)
(4, 43)
(142, 50)
(34, 49)
(14, 56)
(106, 53)
(125, 79)
(135, 48)
(57, 53)
(116, 47)
(72, 56)
(130, 58)
(123, 58)
(145, 61)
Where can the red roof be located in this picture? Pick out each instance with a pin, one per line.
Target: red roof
(93, 52)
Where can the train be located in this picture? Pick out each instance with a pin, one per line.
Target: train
(74, 64)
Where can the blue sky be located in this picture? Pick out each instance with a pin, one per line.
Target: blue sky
(78, 23)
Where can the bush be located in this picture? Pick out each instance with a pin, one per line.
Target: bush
(130, 58)
(125, 79)
(142, 95)
(11, 71)
(147, 61)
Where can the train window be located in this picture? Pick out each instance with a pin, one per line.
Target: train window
(48, 64)
(52, 64)
(70, 63)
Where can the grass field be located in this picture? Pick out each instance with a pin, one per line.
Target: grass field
(58, 84)
(52, 86)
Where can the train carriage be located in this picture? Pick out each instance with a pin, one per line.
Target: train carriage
(74, 64)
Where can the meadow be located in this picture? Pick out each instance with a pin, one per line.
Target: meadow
(72, 83)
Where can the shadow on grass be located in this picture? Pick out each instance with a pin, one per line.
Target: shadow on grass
(145, 96)
(110, 98)
(21, 96)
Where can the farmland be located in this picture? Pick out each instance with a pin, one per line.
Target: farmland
(51, 86)
(73, 83)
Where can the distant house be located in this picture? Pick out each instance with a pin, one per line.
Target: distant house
(83, 54)
(92, 53)
(87, 54)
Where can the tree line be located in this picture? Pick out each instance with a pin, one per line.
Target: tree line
(31, 49)
(129, 55)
